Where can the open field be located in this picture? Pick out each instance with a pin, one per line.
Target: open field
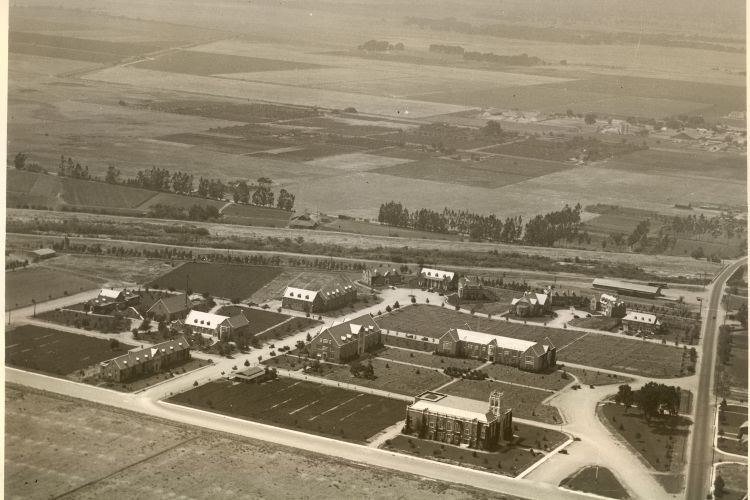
(259, 319)
(180, 201)
(205, 64)
(46, 457)
(661, 443)
(23, 286)
(525, 402)
(353, 226)
(593, 377)
(110, 270)
(728, 167)
(55, 352)
(614, 353)
(597, 480)
(220, 280)
(255, 216)
(395, 377)
(80, 319)
(735, 481)
(299, 405)
(551, 381)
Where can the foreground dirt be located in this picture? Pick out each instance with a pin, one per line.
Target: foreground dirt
(60, 447)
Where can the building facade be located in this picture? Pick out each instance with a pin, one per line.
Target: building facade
(444, 281)
(523, 354)
(470, 288)
(345, 341)
(459, 421)
(531, 304)
(377, 278)
(327, 298)
(215, 326)
(143, 362)
(638, 322)
(170, 308)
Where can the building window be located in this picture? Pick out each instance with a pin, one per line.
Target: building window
(483, 432)
(432, 425)
(449, 425)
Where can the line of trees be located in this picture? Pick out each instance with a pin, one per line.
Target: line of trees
(542, 230)
(517, 60)
(653, 399)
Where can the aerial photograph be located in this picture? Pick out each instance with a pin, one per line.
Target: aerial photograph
(360, 249)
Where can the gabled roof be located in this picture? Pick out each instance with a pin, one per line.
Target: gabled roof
(639, 317)
(109, 293)
(172, 303)
(204, 319)
(436, 273)
(345, 332)
(502, 342)
(458, 407)
(140, 356)
(300, 294)
(238, 321)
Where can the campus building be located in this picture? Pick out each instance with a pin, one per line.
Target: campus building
(345, 341)
(170, 308)
(436, 279)
(215, 326)
(109, 299)
(470, 288)
(376, 277)
(611, 306)
(328, 297)
(531, 304)
(638, 322)
(523, 354)
(460, 421)
(141, 362)
(625, 288)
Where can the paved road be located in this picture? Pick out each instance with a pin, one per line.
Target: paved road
(701, 450)
(287, 437)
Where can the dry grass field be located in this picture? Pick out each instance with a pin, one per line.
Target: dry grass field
(46, 457)
(202, 63)
(41, 284)
(220, 280)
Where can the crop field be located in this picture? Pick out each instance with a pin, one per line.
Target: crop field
(232, 111)
(255, 216)
(40, 284)
(204, 64)
(525, 402)
(226, 143)
(220, 280)
(453, 172)
(359, 227)
(392, 377)
(348, 125)
(723, 166)
(47, 458)
(63, 47)
(55, 352)
(356, 162)
(180, 201)
(599, 351)
(305, 406)
(312, 152)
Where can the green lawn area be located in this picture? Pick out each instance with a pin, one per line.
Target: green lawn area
(426, 359)
(594, 377)
(552, 381)
(22, 286)
(525, 402)
(661, 442)
(78, 319)
(597, 480)
(735, 481)
(142, 383)
(392, 377)
(597, 323)
(730, 419)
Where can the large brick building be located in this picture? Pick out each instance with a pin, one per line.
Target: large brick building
(215, 326)
(531, 304)
(460, 421)
(328, 297)
(142, 362)
(436, 279)
(523, 354)
(170, 308)
(638, 322)
(470, 288)
(110, 299)
(345, 341)
(377, 277)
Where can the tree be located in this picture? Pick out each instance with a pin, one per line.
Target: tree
(241, 192)
(113, 175)
(625, 396)
(719, 484)
(590, 118)
(20, 161)
(286, 200)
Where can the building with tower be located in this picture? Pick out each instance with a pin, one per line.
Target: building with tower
(459, 421)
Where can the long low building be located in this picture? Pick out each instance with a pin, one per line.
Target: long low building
(626, 288)
(523, 354)
(460, 421)
(142, 362)
(331, 296)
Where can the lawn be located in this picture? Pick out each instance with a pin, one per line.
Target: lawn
(596, 323)
(41, 284)
(305, 406)
(250, 215)
(593, 377)
(597, 480)
(735, 481)
(220, 280)
(259, 319)
(662, 443)
(425, 359)
(525, 402)
(599, 351)
(552, 381)
(78, 319)
(56, 352)
(145, 382)
(730, 419)
(392, 377)
(179, 201)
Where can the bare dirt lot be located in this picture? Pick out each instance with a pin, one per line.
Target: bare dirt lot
(50, 452)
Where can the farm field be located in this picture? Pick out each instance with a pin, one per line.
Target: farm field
(598, 351)
(372, 229)
(55, 352)
(299, 405)
(179, 201)
(597, 480)
(453, 172)
(255, 216)
(109, 270)
(47, 458)
(220, 280)
(22, 286)
(728, 167)
(525, 402)
(204, 64)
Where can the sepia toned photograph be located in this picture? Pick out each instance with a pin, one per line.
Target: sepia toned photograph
(359, 249)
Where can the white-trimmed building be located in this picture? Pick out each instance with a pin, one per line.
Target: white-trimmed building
(638, 322)
(215, 326)
(531, 304)
(328, 297)
(437, 279)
